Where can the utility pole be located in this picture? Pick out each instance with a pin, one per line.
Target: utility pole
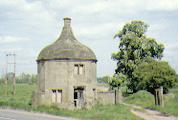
(6, 78)
(3, 79)
(14, 70)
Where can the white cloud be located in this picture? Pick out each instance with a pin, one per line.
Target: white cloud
(161, 5)
(10, 50)
(172, 46)
(12, 39)
(31, 15)
(170, 50)
(102, 30)
(123, 7)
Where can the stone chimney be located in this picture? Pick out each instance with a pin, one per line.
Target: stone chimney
(66, 33)
(67, 22)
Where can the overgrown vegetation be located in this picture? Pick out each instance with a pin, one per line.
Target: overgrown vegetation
(22, 100)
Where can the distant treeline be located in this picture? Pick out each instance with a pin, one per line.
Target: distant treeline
(23, 78)
(104, 79)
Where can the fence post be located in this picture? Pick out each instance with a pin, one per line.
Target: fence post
(159, 97)
(115, 97)
(118, 96)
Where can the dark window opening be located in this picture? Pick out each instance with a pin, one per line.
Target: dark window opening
(79, 69)
(75, 103)
(75, 95)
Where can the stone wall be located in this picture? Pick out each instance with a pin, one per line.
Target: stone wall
(110, 97)
(106, 97)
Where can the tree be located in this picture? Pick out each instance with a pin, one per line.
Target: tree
(116, 81)
(152, 74)
(103, 79)
(134, 47)
(26, 78)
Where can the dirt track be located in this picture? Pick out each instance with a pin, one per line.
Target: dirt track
(152, 115)
(147, 114)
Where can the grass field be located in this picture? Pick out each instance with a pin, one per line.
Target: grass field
(22, 100)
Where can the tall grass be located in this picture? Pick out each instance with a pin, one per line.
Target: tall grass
(22, 99)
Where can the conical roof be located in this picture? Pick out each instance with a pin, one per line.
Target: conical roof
(66, 47)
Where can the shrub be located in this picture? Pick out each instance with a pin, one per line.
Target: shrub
(142, 98)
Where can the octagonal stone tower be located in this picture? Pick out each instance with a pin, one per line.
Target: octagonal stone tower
(66, 73)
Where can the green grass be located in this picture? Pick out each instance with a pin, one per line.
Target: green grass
(146, 100)
(141, 98)
(99, 112)
(22, 100)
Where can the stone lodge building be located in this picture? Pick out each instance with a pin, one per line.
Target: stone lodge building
(66, 73)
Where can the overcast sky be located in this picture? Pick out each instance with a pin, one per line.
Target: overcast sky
(27, 26)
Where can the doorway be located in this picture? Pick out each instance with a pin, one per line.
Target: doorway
(79, 97)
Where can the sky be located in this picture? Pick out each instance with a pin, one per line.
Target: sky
(27, 26)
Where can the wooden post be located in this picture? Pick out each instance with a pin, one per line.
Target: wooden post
(161, 97)
(6, 78)
(14, 77)
(5, 85)
(118, 96)
(159, 101)
(115, 98)
(156, 103)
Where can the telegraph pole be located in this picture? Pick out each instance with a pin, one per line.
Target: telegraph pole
(14, 71)
(6, 78)
(14, 78)
(3, 79)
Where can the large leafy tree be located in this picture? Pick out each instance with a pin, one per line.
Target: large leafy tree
(134, 47)
(152, 74)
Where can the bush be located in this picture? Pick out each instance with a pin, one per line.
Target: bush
(153, 74)
(142, 98)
